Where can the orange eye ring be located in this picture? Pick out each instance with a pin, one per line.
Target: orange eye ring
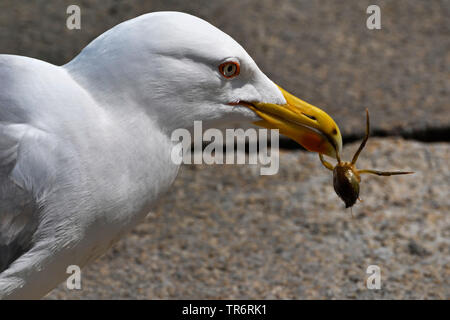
(229, 69)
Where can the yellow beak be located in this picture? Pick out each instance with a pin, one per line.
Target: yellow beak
(308, 125)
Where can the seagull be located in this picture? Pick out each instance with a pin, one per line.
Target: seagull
(85, 148)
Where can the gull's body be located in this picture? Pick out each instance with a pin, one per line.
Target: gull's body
(95, 173)
(85, 148)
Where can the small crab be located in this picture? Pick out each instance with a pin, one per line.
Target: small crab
(346, 177)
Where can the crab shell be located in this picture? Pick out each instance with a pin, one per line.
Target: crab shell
(346, 183)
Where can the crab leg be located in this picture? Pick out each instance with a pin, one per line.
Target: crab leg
(384, 173)
(363, 143)
(325, 163)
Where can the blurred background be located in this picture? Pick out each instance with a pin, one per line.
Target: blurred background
(224, 231)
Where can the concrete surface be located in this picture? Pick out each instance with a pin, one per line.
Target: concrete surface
(224, 232)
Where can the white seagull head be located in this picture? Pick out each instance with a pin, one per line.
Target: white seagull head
(179, 68)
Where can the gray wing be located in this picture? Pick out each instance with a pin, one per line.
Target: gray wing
(18, 208)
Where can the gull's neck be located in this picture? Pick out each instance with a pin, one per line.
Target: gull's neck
(142, 168)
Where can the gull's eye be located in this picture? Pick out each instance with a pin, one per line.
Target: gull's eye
(229, 69)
